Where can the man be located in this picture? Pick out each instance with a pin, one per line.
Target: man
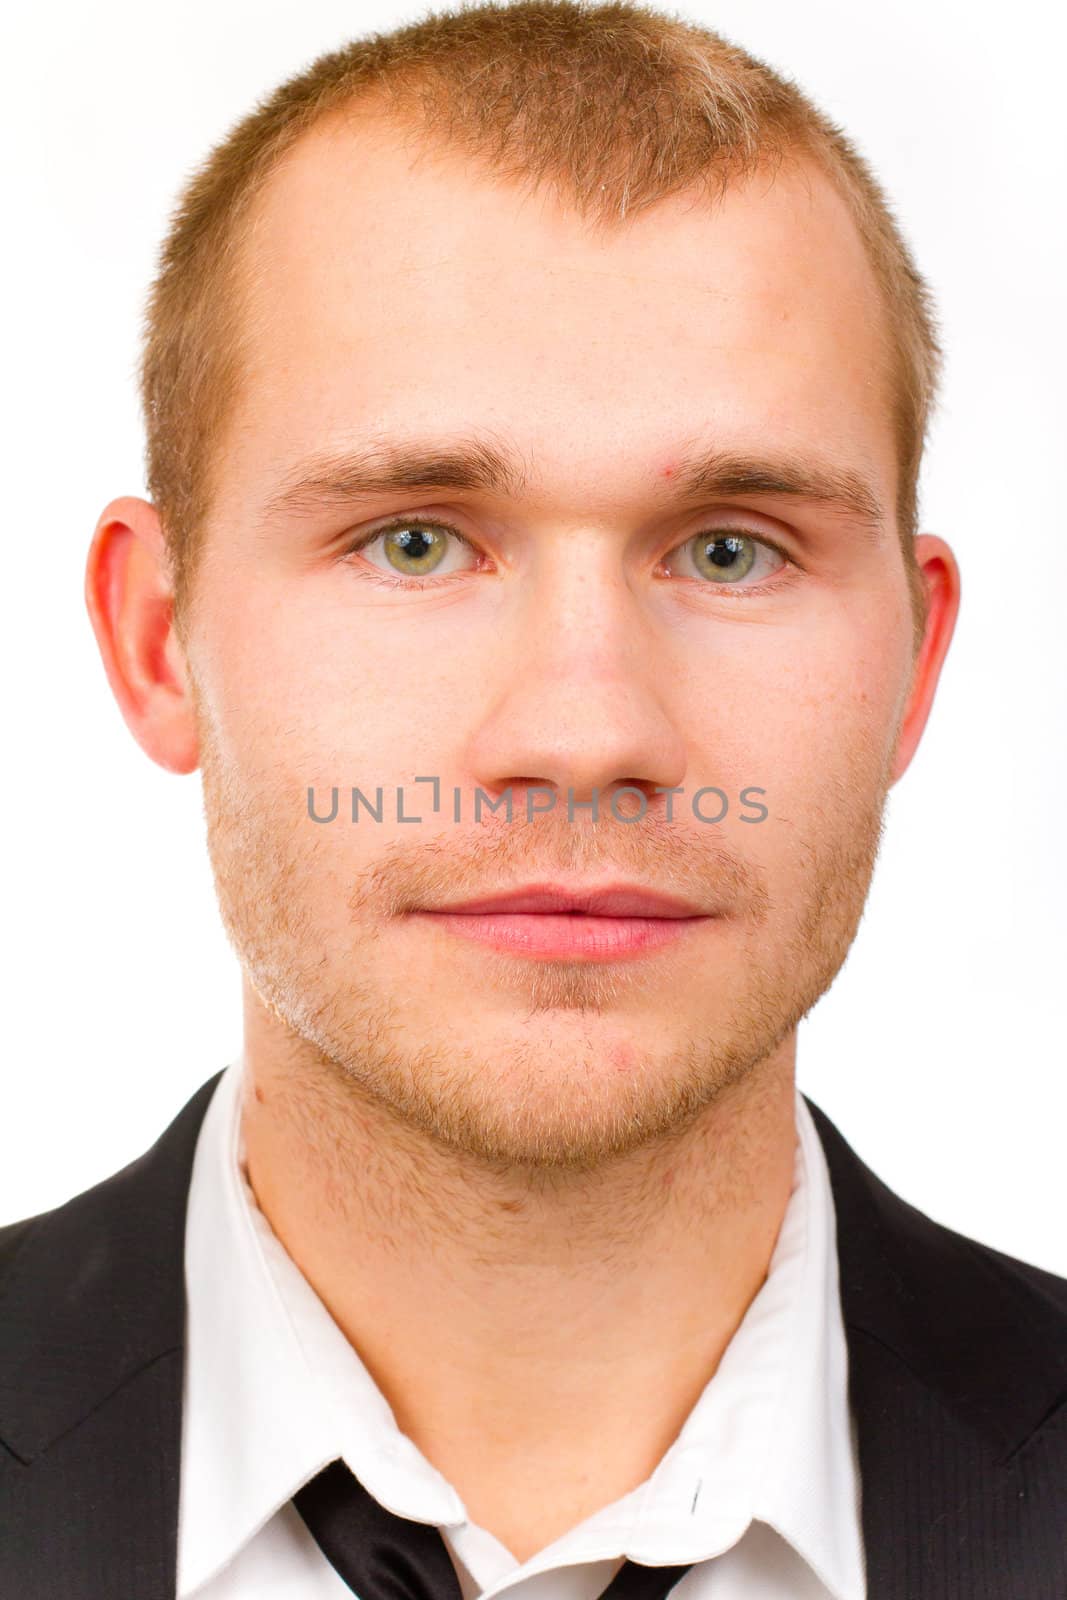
(535, 399)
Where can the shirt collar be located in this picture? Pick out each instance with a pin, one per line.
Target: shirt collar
(242, 1459)
(810, 1490)
(764, 1440)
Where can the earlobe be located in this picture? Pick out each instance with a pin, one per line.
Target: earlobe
(941, 582)
(130, 602)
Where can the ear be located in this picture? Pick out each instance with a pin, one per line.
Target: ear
(130, 601)
(941, 583)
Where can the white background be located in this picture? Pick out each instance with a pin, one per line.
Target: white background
(939, 1051)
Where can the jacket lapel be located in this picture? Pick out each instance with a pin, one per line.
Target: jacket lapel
(92, 1327)
(957, 1361)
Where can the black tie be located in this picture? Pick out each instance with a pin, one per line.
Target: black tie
(385, 1557)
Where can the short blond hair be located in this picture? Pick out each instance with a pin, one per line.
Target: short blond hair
(616, 105)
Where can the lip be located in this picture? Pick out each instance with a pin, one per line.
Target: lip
(550, 922)
(609, 900)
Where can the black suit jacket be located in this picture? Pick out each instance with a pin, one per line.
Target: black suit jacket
(957, 1373)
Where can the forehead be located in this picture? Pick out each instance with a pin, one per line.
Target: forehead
(395, 284)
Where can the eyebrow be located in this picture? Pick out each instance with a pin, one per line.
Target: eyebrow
(326, 482)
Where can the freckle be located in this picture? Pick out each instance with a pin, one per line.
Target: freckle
(259, 1094)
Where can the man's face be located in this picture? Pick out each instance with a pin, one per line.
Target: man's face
(584, 638)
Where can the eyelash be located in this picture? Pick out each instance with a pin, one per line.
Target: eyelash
(777, 581)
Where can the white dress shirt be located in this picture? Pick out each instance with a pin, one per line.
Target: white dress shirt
(761, 1486)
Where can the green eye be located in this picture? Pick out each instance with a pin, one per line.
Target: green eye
(414, 550)
(724, 557)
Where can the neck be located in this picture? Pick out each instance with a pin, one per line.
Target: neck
(564, 1321)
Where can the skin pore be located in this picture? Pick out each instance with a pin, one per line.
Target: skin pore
(537, 1196)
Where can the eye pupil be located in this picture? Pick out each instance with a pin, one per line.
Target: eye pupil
(414, 545)
(725, 557)
(413, 541)
(724, 550)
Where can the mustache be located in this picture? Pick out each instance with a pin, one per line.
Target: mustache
(495, 854)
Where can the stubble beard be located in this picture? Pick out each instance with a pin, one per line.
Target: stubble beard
(346, 1049)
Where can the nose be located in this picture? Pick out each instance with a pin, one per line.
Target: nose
(579, 699)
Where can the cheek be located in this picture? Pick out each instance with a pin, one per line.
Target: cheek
(287, 700)
(364, 693)
(822, 720)
(296, 708)
(814, 724)
(257, 664)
